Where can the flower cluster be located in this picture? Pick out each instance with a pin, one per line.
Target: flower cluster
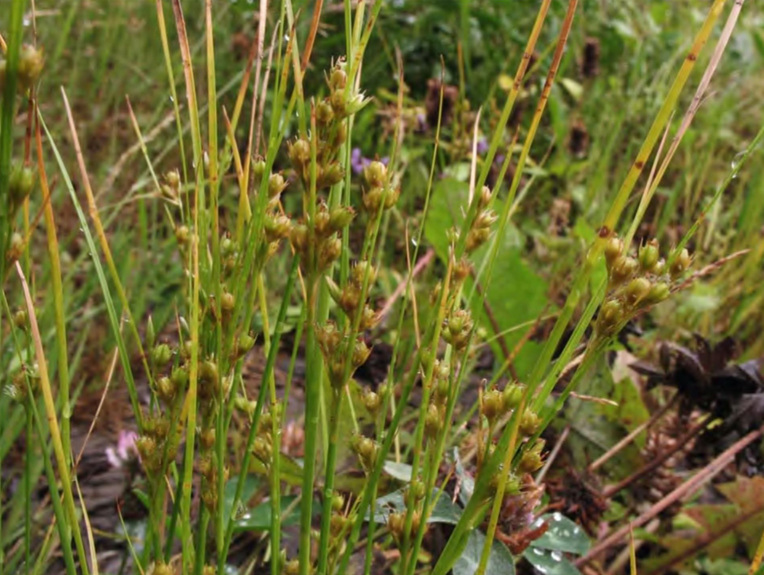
(635, 283)
(22, 178)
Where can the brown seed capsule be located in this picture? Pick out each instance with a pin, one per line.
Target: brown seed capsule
(623, 269)
(299, 154)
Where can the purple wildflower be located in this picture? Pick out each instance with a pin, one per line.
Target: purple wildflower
(358, 162)
(125, 450)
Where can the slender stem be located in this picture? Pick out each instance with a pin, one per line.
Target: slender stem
(335, 412)
(312, 398)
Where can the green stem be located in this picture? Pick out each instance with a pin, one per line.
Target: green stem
(312, 399)
(15, 21)
(335, 412)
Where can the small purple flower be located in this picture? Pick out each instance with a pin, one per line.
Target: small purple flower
(482, 146)
(358, 162)
(125, 451)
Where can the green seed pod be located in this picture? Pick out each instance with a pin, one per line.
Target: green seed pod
(182, 234)
(338, 79)
(372, 200)
(330, 175)
(299, 237)
(391, 197)
(207, 438)
(417, 489)
(493, 405)
(173, 179)
(680, 264)
(476, 237)
(31, 62)
(338, 103)
(372, 402)
(340, 217)
(337, 524)
(361, 353)
(227, 302)
(530, 462)
(637, 290)
(165, 389)
(299, 154)
(529, 422)
(329, 252)
(513, 394)
(261, 448)
(227, 246)
(396, 524)
(16, 247)
(258, 170)
(324, 113)
(462, 270)
(150, 333)
(276, 185)
(356, 104)
(209, 376)
(369, 319)
(375, 174)
(657, 294)
(20, 183)
(277, 227)
(161, 355)
(20, 319)
(485, 197)
(648, 256)
(366, 450)
(610, 317)
(338, 501)
(432, 421)
(485, 219)
(179, 377)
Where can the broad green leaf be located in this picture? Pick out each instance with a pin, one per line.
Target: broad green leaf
(563, 535)
(400, 471)
(444, 510)
(250, 485)
(500, 561)
(550, 562)
(259, 517)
